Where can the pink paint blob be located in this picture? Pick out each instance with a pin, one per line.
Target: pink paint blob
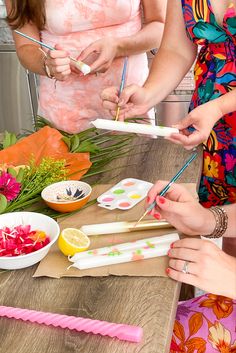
(124, 204)
(107, 199)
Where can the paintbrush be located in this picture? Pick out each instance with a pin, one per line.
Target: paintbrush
(84, 68)
(166, 188)
(122, 84)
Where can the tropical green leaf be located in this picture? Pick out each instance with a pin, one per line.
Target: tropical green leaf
(3, 203)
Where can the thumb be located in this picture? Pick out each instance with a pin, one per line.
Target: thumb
(185, 123)
(87, 51)
(127, 94)
(173, 207)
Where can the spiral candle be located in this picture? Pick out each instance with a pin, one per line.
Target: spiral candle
(123, 332)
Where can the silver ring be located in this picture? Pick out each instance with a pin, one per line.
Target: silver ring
(185, 268)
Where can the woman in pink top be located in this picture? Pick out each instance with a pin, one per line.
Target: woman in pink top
(98, 32)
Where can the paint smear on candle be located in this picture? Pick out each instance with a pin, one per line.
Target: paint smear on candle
(107, 199)
(118, 191)
(135, 196)
(124, 204)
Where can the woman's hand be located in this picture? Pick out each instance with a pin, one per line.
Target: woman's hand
(181, 210)
(133, 101)
(208, 267)
(58, 62)
(202, 119)
(103, 50)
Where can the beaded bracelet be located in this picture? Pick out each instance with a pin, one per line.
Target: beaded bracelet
(221, 218)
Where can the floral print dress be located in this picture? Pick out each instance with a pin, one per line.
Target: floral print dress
(215, 75)
(206, 324)
(75, 24)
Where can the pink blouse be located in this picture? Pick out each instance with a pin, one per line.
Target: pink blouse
(74, 24)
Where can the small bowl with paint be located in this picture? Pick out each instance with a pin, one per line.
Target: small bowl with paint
(66, 196)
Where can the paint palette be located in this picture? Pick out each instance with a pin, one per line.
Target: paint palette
(124, 195)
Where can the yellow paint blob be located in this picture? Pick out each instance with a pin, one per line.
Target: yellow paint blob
(135, 196)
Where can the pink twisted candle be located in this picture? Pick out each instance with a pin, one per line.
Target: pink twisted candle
(123, 332)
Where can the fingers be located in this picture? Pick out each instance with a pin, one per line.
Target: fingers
(178, 265)
(189, 141)
(127, 94)
(185, 123)
(110, 95)
(58, 63)
(184, 254)
(183, 277)
(176, 192)
(92, 48)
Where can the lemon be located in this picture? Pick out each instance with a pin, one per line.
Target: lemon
(72, 240)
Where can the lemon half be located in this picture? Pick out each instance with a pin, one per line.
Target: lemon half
(72, 240)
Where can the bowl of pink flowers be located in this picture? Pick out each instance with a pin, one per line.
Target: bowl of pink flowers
(25, 238)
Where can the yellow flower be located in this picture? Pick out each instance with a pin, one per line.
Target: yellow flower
(220, 338)
(197, 72)
(211, 168)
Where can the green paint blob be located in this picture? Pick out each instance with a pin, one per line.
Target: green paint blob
(118, 191)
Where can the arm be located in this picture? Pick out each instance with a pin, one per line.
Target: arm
(173, 60)
(147, 38)
(214, 110)
(185, 213)
(33, 59)
(209, 268)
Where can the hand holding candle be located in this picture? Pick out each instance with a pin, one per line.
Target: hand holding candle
(84, 68)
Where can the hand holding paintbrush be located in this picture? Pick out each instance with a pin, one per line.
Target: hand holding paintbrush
(84, 68)
(166, 188)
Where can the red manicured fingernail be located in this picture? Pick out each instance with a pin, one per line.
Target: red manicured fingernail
(157, 215)
(171, 245)
(162, 199)
(168, 254)
(167, 270)
(148, 199)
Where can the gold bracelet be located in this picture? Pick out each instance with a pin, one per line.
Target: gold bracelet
(221, 219)
(45, 66)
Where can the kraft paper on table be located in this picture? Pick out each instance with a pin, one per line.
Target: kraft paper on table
(55, 263)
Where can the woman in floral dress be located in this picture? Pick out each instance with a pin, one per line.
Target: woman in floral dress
(205, 324)
(210, 26)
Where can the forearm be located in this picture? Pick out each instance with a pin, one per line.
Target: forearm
(227, 102)
(147, 38)
(208, 226)
(167, 71)
(31, 58)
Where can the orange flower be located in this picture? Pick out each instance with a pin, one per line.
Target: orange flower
(221, 306)
(197, 71)
(220, 339)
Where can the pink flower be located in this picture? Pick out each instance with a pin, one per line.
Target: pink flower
(9, 187)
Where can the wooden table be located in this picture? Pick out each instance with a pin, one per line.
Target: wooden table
(148, 302)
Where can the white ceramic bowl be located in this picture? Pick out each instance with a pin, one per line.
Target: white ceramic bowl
(37, 221)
